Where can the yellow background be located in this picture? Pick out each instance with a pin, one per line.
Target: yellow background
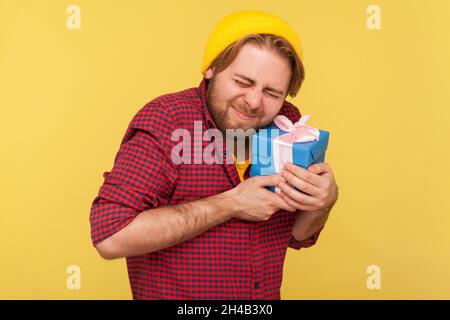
(67, 96)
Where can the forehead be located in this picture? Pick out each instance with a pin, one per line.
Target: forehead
(265, 66)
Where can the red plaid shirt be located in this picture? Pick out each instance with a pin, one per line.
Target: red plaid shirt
(235, 260)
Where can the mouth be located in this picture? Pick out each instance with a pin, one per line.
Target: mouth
(242, 116)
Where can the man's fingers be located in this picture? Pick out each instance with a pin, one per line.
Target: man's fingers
(300, 184)
(266, 181)
(304, 174)
(295, 204)
(319, 168)
(296, 195)
(288, 200)
(283, 204)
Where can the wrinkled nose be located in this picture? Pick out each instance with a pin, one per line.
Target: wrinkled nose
(253, 101)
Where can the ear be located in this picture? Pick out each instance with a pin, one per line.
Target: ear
(209, 73)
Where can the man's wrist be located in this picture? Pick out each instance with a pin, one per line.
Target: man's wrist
(228, 203)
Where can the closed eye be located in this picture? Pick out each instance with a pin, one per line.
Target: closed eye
(272, 95)
(246, 85)
(242, 84)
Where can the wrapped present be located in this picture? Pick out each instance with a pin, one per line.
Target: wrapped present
(284, 141)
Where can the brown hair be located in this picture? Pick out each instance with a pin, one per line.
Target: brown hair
(270, 41)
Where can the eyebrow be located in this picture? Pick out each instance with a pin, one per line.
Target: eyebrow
(253, 82)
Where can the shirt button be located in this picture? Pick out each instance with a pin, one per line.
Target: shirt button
(257, 285)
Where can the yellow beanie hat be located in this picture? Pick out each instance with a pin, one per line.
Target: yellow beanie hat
(242, 23)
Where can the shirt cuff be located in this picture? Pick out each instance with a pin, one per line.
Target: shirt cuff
(298, 244)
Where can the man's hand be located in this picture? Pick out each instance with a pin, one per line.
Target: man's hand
(318, 186)
(251, 201)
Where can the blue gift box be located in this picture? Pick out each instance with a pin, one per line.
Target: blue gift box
(304, 154)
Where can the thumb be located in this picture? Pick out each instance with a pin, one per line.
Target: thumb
(283, 204)
(319, 168)
(264, 181)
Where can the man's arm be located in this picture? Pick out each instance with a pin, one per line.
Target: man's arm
(307, 223)
(166, 226)
(162, 227)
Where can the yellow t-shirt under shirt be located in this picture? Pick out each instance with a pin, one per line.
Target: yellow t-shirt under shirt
(241, 167)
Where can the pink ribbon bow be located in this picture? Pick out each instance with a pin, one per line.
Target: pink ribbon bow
(296, 132)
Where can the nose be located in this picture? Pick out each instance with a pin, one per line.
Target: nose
(253, 100)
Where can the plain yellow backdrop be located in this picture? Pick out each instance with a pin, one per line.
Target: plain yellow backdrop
(67, 96)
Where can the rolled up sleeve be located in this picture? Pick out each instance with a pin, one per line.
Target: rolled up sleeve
(298, 244)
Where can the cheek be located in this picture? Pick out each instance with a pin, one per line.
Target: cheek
(235, 95)
(271, 109)
(224, 91)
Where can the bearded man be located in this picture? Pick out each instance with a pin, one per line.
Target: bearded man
(202, 230)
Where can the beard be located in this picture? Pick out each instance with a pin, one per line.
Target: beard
(220, 108)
